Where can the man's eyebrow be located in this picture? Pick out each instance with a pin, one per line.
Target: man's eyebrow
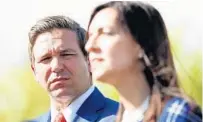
(42, 56)
(67, 50)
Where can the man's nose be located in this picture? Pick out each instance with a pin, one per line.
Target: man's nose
(56, 65)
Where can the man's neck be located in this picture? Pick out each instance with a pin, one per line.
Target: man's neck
(60, 104)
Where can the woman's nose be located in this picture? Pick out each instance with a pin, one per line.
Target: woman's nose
(92, 44)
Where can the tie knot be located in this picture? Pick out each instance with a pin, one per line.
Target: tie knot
(60, 118)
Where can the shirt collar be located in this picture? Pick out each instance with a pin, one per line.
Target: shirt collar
(70, 112)
(137, 114)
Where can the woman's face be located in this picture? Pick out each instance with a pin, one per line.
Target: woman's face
(112, 50)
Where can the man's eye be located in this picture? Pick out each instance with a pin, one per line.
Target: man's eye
(45, 59)
(67, 54)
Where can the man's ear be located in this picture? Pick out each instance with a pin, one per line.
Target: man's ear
(88, 64)
(34, 72)
(33, 69)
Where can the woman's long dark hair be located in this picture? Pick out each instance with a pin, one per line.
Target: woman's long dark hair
(148, 29)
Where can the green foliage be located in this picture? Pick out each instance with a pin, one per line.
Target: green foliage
(21, 97)
(187, 56)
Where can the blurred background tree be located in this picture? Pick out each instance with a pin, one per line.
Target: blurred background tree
(186, 45)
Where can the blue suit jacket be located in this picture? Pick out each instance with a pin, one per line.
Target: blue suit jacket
(96, 108)
(178, 110)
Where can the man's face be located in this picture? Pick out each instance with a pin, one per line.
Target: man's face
(59, 64)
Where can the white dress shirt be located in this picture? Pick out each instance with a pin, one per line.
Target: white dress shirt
(70, 112)
(137, 114)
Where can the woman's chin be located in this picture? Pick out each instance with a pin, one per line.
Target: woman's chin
(101, 77)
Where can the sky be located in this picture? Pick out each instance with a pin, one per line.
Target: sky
(17, 16)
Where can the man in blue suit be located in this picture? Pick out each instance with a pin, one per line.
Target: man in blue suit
(60, 65)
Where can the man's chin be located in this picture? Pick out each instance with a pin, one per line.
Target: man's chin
(61, 96)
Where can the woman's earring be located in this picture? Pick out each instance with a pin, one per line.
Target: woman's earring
(140, 55)
(146, 60)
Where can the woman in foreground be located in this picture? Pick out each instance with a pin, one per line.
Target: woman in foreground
(129, 48)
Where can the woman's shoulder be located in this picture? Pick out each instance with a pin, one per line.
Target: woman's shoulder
(179, 110)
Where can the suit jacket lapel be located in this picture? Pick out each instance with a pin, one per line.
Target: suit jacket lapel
(92, 106)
